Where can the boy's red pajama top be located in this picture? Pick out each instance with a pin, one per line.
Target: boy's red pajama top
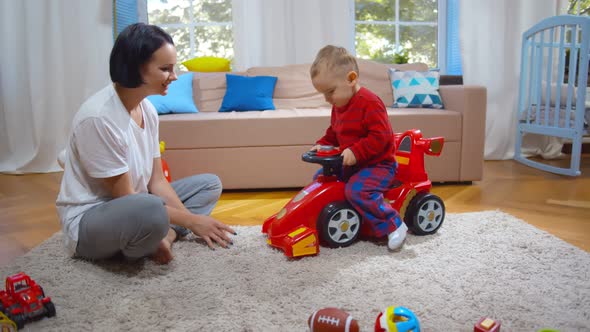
(363, 126)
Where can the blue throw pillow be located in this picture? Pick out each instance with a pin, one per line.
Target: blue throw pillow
(179, 98)
(248, 93)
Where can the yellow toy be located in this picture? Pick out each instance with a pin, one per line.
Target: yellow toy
(6, 325)
(164, 163)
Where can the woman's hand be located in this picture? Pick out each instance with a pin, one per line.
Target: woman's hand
(211, 230)
(348, 158)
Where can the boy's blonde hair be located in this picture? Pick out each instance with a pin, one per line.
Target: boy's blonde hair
(335, 59)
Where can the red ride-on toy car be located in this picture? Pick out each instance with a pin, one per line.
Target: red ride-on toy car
(24, 300)
(321, 213)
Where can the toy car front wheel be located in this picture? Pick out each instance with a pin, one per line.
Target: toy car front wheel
(425, 214)
(19, 320)
(338, 225)
(50, 309)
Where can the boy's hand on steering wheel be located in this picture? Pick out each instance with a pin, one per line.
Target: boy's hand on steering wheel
(318, 147)
(348, 158)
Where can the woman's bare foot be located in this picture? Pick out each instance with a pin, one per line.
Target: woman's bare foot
(163, 254)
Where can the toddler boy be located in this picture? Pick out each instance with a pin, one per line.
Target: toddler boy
(360, 126)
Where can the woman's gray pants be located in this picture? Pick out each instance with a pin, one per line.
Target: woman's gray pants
(135, 224)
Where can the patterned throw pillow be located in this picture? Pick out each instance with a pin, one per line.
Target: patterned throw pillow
(415, 89)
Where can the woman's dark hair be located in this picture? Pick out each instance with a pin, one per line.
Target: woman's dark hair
(134, 47)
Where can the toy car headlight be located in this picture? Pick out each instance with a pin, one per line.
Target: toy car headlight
(299, 196)
(281, 213)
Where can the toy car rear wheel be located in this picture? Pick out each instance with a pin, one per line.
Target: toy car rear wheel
(425, 214)
(50, 309)
(338, 225)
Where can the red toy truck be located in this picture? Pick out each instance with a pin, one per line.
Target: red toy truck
(24, 300)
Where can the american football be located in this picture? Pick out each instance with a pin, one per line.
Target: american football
(332, 320)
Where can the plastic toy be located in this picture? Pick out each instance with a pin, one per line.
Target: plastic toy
(6, 325)
(397, 319)
(164, 163)
(24, 300)
(486, 324)
(332, 320)
(321, 213)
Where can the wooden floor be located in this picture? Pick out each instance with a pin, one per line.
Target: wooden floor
(557, 204)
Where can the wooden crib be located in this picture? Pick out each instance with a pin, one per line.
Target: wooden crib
(553, 86)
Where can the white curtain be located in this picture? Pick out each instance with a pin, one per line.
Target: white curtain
(54, 55)
(490, 37)
(281, 32)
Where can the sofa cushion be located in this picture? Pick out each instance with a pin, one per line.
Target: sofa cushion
(248, 93)
(432, 122)
(241, 129)
(286, 127)
(294, 88)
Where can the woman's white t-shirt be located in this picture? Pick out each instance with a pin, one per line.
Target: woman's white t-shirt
(104, 142)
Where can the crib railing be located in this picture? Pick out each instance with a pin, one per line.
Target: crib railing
(552, 90)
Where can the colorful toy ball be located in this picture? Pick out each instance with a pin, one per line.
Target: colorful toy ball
(332, 320)
(397, 319)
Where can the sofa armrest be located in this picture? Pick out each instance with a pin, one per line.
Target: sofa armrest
(471, 102)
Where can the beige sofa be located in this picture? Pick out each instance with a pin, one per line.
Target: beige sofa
(262, 149)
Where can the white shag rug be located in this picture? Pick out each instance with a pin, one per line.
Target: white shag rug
(478, 264)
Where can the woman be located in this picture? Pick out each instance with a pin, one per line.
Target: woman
(114, 197)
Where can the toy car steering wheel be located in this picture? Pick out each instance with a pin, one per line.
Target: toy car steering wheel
(327, 156)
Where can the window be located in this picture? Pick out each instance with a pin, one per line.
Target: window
(399, 31)
(578, 7)
(582, 8)
(198, 27)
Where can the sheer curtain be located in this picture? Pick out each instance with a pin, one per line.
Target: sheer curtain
(491, 36)
(54, 55)
(281, 32)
